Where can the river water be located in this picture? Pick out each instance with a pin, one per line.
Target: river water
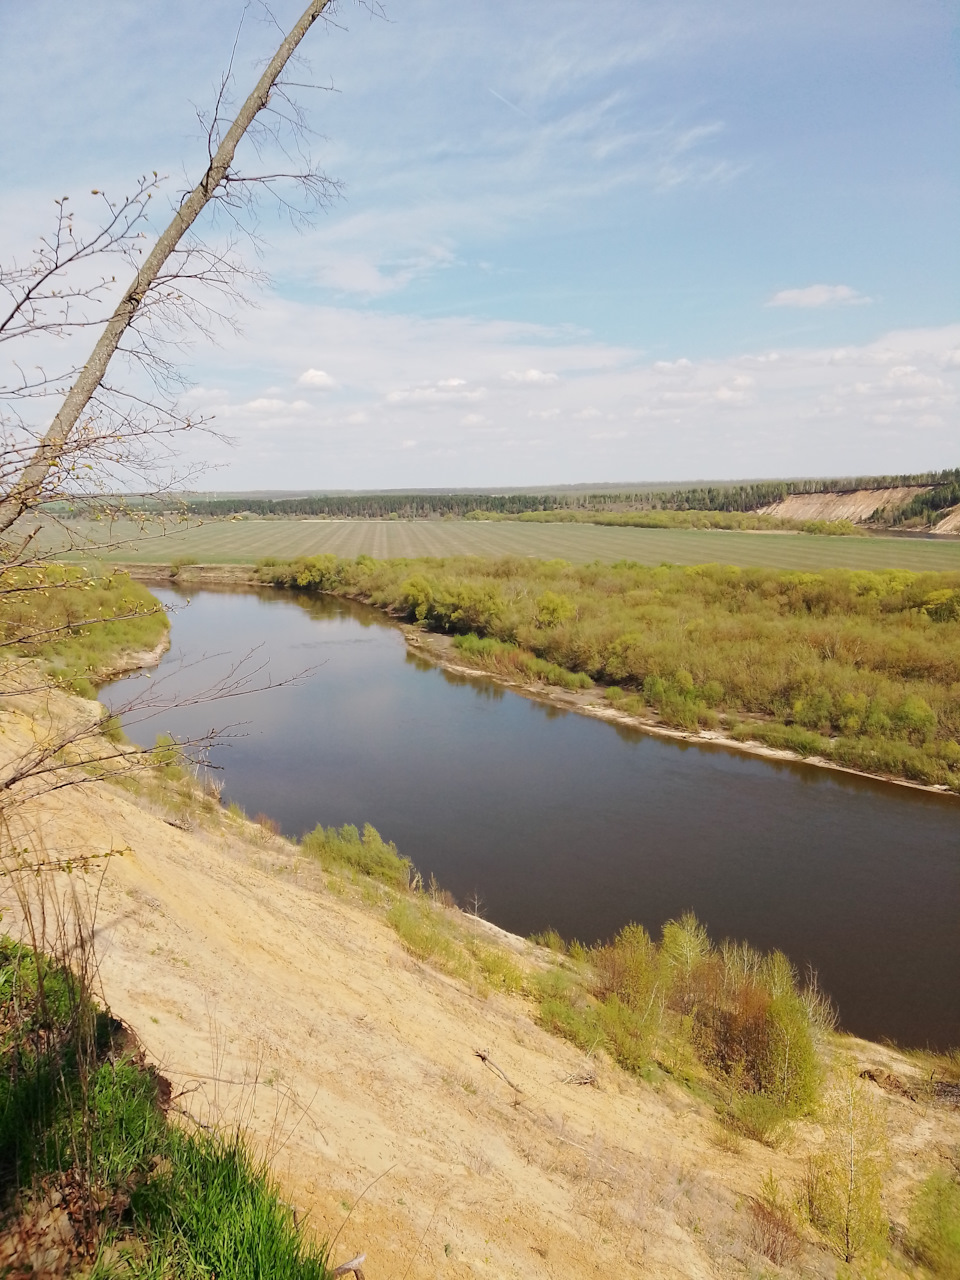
(553, 819)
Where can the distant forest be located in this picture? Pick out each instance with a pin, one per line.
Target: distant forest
(733, 497)
(720, 497)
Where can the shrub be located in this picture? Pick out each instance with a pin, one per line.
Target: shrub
(629, 969)
(497, 968)
(773, 1228)
(549, 939)
(367, 853)
(752, 1026)
(168, 757)
(801, 661)
(76, 622)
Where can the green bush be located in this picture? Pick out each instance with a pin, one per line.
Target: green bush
(367, 853)
(76, 622)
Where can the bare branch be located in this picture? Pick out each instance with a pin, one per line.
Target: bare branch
(27, 489)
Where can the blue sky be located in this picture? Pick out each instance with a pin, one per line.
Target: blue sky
(627, 241)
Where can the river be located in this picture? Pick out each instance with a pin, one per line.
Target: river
(552, 819)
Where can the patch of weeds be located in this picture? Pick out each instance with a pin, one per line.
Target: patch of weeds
(551, 940)
(727, 1140)
(112, 729)
(758, 1116)
(773, 1228)
(943, 1066)
(167, 758)
(566, 1010)
(626, 1033)
(269, 826)
(934, 1233)
(498, 970)
(420, 930)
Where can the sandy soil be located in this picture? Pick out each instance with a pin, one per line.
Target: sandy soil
(950, 522)
(858, 505)
(279, 999)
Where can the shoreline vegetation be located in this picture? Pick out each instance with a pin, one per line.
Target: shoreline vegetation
(858, 670)
(84, 627)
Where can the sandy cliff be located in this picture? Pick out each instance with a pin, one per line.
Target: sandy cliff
(277, 997)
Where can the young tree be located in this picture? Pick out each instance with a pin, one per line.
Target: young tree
(844, 1184)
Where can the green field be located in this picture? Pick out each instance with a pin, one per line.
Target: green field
(246, 541)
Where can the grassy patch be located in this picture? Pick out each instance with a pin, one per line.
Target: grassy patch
(90, 1167)
(935, 1225)
(424, 933)
(488, 654)
(77, 623)
(247, 541)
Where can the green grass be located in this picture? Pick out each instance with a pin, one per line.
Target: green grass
(81, 1118)
(77, 623)
(935, 1225)
(246, 541)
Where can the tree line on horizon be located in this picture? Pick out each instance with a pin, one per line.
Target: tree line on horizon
(943, 492)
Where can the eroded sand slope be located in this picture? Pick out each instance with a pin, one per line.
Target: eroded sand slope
(274, 997)
(858, 505)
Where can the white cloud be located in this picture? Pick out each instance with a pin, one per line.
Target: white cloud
(316, 378)
(819, 295)
(883, 406)
(532, 377)
(367, 273)
(266, 404)
(449, 389)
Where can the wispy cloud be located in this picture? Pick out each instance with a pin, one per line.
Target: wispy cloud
(819, 295)
(530, 377)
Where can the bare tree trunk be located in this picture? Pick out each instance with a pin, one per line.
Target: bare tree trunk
(51, 448)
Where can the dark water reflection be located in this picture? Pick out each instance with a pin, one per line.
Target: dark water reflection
(557, 820)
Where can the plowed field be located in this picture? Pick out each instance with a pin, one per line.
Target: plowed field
(246, 541)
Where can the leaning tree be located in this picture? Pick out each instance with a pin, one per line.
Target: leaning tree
(106, 427)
